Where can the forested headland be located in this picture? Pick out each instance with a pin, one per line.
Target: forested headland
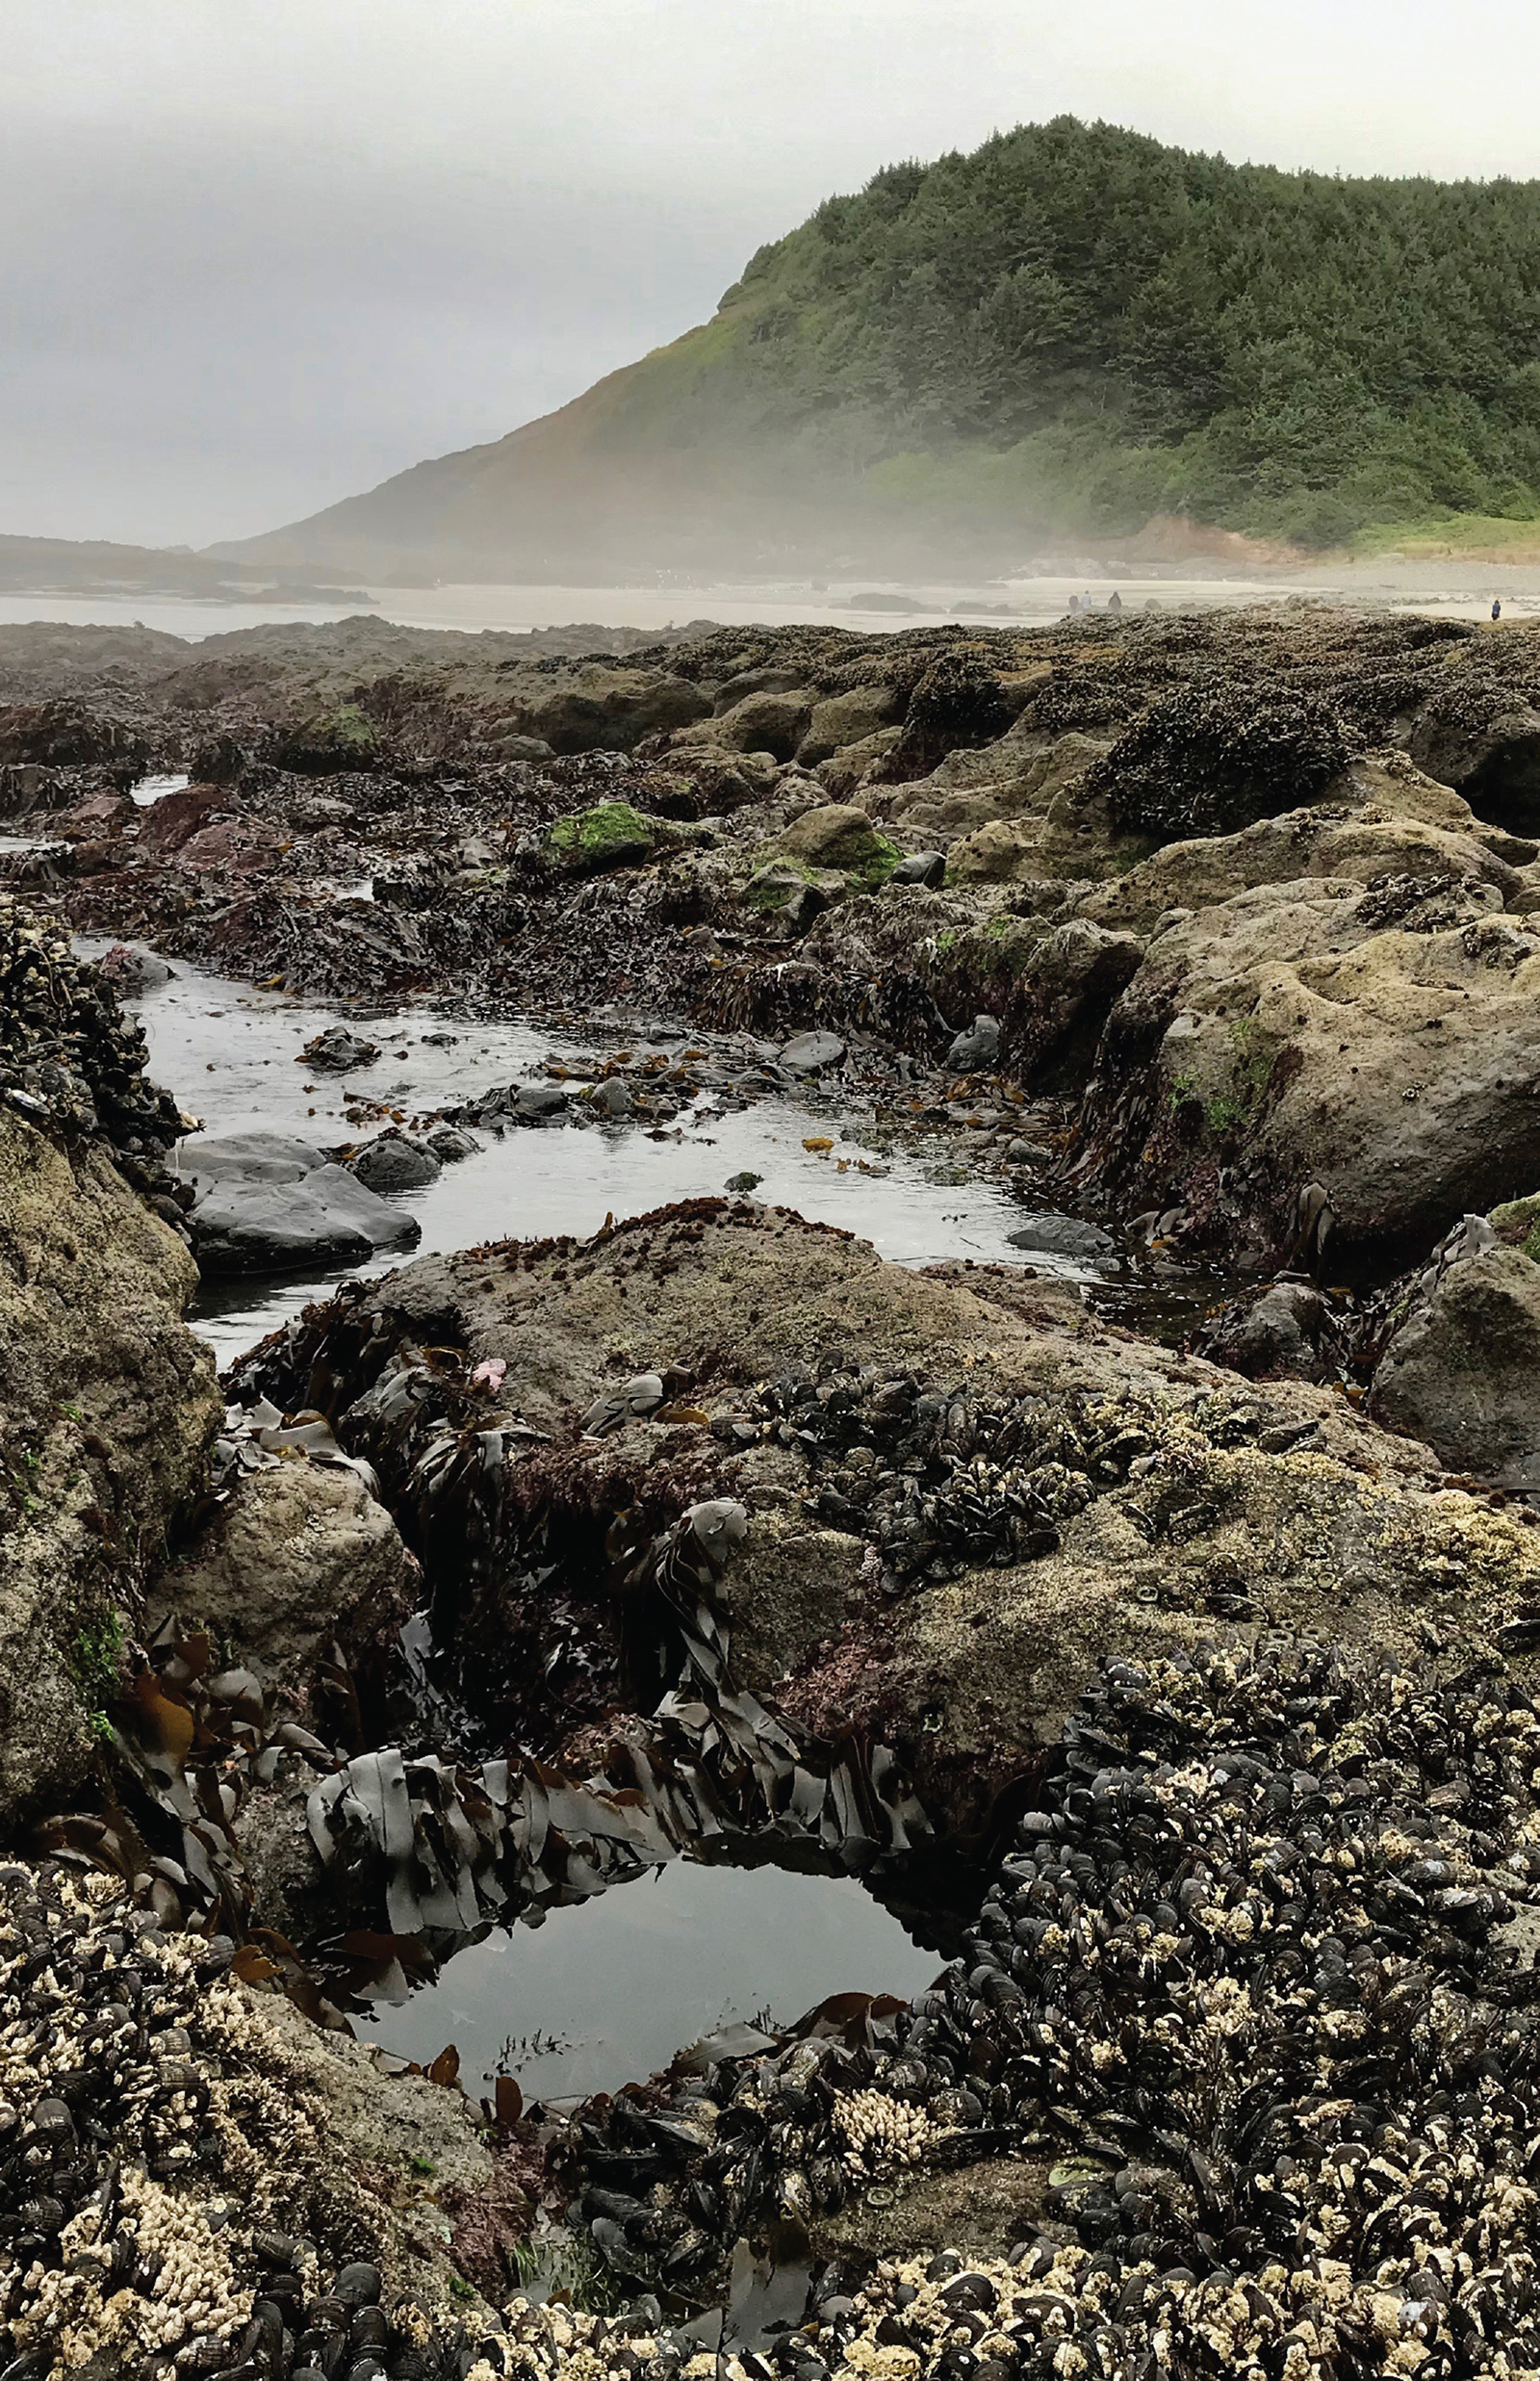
(1071, 330)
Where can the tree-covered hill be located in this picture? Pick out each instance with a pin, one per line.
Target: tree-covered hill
(1074, 328)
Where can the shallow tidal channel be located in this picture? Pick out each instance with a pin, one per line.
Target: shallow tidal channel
(232, 1056)
(602, 1992)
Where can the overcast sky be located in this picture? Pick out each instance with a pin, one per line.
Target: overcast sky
(258, 254)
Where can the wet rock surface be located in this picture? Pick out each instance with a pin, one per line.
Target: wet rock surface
(1198, 1672)
(265, 1202)
(1001, 1489)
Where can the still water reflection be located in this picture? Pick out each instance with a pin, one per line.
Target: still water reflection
(605, 1992)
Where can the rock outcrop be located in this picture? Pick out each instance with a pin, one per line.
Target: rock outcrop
(961, 1492)
(109, 1404)
(106, 1402)
(1461, 1368)
(295, 1559)
(595, 706)
(1370, 1047)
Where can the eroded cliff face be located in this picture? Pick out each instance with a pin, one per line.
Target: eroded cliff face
(107, 1404)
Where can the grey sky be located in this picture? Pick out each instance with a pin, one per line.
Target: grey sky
(258, 254)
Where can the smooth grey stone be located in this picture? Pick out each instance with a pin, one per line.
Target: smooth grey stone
(270, 1212)
(257, 1156)
(611, 1098)
(921, 867)
(978, 1046)
(1061, 1236)
(806, 1052)
(540, 1100)
(396, 1163)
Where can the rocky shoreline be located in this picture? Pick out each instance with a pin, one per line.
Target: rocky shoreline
(1195, 1668)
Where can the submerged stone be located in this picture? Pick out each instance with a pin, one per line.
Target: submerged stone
(1061, 1236)
(805, 1053)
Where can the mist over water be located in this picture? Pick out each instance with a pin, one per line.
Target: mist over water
(1457, 589)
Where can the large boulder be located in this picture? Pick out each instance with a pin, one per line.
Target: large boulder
(997, 853)
(1322, 1056)
(109, 1404)
(1213, 754)
(1367, 844)
(1277, 1333)
(961, 699)
(851, 767)
(841, 720)
(299, 1556)
(836, 836)
(1023, 771)
(1043, 1489)
(764, 723)
(173, 821)
(598, 707)
(610, 835)
(1462, 1370)
(1061, 997)
(269, 1203)
(327, 743)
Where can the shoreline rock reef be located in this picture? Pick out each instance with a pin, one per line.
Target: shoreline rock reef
(1169, 1655)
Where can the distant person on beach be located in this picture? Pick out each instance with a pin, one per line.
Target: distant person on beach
(1496, 607)
(1074, 607)
(1115, 601)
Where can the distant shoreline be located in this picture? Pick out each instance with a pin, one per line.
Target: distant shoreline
(115, 591)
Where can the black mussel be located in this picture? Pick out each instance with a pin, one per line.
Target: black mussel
(359, 2285)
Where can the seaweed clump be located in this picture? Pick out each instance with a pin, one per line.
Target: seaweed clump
(1213, 757)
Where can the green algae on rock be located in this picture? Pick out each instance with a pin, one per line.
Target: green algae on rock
(609, 835)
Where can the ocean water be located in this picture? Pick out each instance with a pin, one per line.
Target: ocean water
(1461, 590)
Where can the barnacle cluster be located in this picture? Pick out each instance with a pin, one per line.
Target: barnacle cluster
(170, 2199)
(1254, 1989)
(68, 1056)
(880, 2132)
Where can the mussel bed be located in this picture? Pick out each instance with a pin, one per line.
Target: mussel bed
(1248, 2010)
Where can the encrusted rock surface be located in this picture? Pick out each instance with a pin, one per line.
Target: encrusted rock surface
(972, 1489)
(1462, 1366)
(109, 1407)
(294, 1558)
(190, 2160)
(106, 1402)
